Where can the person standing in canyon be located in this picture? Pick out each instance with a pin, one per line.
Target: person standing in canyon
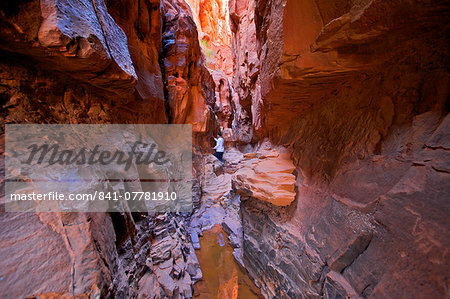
(219, 147)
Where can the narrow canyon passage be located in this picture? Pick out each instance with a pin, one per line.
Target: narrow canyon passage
(334, 176)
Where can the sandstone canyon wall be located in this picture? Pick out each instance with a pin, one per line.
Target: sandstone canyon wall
(189, 85)
(358, 92)
(212, 19)
(340, 109)
(213, 25)
(100, 62)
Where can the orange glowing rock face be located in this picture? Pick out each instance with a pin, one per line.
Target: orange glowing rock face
(212, 20)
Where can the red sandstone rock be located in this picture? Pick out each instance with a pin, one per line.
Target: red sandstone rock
(57, 41)
(212, 19)
(321, 62)
(75, 62)
(224, 106)
(267, 176)
(355, 90)
(246, 64)
(186, 80)
(85, 63)
(142, 23)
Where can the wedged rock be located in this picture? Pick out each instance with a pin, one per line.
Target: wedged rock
(267, 176)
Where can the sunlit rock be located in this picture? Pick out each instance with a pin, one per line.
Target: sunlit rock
(267, 176)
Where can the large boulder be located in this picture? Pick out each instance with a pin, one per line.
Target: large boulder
(266, 175)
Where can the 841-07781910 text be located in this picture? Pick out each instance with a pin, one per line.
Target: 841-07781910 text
(138, 196)
(97, 195)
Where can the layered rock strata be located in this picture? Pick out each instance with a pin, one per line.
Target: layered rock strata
(99, 62)
(266, 175)
(357, 91)
(187, 81)
(213, 26)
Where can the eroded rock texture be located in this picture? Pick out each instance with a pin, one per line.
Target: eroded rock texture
(76, 54)
(142, 23)
(212, 19)
(213, 27)
(246, 63)
(266, 175)
(357, 90)
(98, 62)
(347, 197)
(188, 82)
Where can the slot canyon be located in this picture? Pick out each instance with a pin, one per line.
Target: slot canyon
(335, 180)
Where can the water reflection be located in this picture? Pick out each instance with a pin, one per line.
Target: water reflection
(222, 276)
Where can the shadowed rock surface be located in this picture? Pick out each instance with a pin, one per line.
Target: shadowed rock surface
(355, 90)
